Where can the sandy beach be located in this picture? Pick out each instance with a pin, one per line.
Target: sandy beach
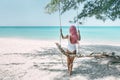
(24, 59)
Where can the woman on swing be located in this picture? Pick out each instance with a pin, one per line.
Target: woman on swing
(73, 38)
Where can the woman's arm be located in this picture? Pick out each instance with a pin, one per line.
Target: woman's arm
(79, 36)
(63, 37)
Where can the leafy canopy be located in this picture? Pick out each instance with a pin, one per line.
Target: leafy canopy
(100, 9)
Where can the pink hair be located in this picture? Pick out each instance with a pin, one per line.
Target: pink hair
(73, 34)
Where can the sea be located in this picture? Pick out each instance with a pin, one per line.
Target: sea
(88, 33)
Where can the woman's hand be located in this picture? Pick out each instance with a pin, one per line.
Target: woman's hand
(61, 30)
(63, 37)
(78, 31)
(79, 35)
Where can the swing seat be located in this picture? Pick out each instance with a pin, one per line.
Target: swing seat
(60, 49)
(63, 51)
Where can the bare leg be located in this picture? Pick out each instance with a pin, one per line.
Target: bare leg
(71, 64)
(71, 59)
(68, 63)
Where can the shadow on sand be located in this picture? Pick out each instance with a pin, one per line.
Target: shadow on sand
(92, 69)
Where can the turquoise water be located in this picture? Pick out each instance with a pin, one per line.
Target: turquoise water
(52, 32)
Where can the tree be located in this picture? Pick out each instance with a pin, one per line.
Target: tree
(100, 9)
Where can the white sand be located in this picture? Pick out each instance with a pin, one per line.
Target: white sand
(22, 59)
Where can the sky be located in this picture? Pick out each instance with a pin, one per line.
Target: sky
(32, 13)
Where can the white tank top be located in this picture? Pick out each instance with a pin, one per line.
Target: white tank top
(71, 47)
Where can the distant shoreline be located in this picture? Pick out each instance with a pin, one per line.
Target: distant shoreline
(81, 26)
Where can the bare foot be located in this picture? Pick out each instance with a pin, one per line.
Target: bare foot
(57, 43)
(70, 73)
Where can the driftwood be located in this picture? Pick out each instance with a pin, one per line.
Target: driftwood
(111, 56)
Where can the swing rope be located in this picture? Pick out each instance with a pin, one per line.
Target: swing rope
(77, 29)
(77, 20)
(60, 23)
